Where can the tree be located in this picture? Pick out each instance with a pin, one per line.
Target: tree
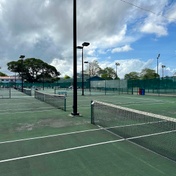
(108, 73)
(16, 66)
(94, 68)
(2, 74)
(34, 70)
(66, 77)
(132, 76)
(148, 74)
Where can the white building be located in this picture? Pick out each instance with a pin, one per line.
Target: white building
(10, 79)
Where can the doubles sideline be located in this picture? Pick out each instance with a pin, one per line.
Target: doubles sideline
(83, 146)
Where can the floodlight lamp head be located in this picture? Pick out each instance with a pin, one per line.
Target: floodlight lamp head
(22, 56)
(79, 47)
(85, 44)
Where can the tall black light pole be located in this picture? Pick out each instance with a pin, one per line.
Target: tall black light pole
(22, 78)
(75, 106)
(157, 63)
(163, 66)
(117, 64)
(157, 74)
(82, 47)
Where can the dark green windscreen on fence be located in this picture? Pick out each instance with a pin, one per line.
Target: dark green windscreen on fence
(159, 86)
(154, 85)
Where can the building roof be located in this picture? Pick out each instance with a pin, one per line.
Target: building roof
(96, 78)
(9, 77)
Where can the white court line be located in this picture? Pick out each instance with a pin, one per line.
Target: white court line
(77, 132)
(54, 135)
(153, 134)
(150, 100)
(59, 151)
(28, 111)
(80, 147)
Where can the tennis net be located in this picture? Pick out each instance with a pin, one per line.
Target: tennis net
(27, 91)
(5, 92)
(58, 101)
(151, 131)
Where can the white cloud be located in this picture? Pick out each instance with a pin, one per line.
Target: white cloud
(171, 13)
(154, 24)
(127, 66)
(46, 3)
(91, 52)
(150, 18)
(43, 28)
(153, 28)
(167, 71)
(122, 49)
(63, 66)
(114, 39)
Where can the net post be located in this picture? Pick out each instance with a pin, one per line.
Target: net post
(92, 112)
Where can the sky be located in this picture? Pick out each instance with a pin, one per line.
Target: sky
(130, 32)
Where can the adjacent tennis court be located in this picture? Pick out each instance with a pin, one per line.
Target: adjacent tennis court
(40, 139)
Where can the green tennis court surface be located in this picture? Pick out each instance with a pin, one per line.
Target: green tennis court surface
(39, 139)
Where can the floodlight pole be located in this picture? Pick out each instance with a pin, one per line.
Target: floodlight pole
(82, 47)
(22, 78)
(82, 72)
(163, 66)
(117, 64)
(157, 63)
(75, 106)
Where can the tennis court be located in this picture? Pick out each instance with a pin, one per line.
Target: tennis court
(39, 139)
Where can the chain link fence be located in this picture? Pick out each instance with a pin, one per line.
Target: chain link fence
(155, 86)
